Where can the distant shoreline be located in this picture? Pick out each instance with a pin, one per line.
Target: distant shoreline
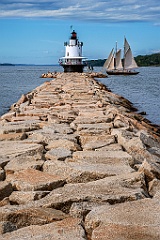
(7, 64)
(10, 64)
(152, 60)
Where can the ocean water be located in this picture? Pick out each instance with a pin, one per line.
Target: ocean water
(18, 80)
(143, 90)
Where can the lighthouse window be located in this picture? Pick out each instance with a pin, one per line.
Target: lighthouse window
(67, 53)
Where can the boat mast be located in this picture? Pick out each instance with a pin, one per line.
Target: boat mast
(124, 53)
(126, 49)
(115, 67)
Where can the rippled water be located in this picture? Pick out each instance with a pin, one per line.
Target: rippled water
(143, 90)
(16, 80)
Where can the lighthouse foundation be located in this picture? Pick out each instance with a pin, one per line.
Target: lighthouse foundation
(73, 68)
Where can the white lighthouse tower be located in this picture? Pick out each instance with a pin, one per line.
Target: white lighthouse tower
(73, 60)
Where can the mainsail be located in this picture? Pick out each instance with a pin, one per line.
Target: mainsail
(118, 61)
(129, 61)
(109, 63)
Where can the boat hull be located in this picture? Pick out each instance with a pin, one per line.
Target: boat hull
(123, 72)
(73, 68)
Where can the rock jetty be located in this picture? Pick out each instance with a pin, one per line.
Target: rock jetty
(78, 162)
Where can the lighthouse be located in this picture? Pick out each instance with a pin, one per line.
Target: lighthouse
(73, 60)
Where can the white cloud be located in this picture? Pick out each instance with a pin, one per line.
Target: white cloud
(109, 11)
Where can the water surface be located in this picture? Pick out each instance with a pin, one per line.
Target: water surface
(143, 90)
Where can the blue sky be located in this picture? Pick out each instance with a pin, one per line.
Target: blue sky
(34, 32)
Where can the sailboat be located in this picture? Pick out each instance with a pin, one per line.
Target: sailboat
(114, 64)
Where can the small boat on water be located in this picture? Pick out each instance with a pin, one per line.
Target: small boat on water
(114, 65)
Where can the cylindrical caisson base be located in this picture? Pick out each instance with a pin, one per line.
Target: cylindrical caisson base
(73, 68)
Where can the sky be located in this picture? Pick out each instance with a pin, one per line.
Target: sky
(34, 32)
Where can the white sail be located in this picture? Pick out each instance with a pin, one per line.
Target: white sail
(126, 46)
(109, 63)
(118, 60)
(129, 61)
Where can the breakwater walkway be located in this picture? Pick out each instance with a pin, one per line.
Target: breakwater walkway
(77, 162)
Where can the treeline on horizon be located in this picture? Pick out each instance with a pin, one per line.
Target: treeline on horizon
(142, 61)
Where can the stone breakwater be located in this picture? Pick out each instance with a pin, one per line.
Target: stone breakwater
(77, 162)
